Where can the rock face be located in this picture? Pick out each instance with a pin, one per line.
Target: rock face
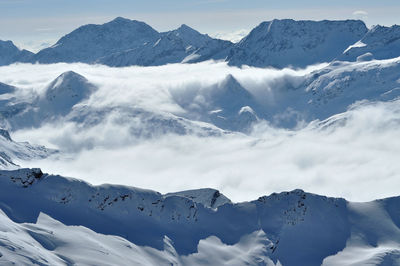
(379, 43)
(283, 43)
(9, 53)
(291, 224)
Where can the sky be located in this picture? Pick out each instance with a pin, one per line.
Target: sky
(34, 24)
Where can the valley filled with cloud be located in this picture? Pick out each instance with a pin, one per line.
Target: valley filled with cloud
(341, 155)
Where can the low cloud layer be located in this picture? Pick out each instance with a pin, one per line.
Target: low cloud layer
(353, 155)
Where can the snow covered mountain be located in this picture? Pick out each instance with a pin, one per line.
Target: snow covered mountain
(226, 104)
(277, 43)
(61, 95)
(91, 42)
(181, 45)
(124, 42)
(284, 43)
(379, 43)
(186, 228)
(332, 90)
(9, 53)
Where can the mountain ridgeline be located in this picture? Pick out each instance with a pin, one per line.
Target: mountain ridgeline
(295, 228)
(278, 43)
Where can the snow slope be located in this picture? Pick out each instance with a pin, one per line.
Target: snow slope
(283, 43)
(49, 242)
(294, 228)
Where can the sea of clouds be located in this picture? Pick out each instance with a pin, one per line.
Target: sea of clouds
(353, 155)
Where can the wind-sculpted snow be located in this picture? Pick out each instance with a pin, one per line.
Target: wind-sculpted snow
(284, 43)
(290, 227)
(49, 242)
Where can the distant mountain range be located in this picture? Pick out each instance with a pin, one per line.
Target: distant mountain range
(277, 43)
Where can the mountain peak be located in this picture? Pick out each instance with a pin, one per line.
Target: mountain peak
(67, 90)
(297, 43)
(67, 78)
(121, 19)
(230, 82)
(186, 28)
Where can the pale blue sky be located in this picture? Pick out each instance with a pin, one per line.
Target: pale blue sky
(30, 23)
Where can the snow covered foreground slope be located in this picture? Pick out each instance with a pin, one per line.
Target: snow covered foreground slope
(199, 227)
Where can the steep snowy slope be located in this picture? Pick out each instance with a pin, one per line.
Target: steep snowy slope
(379, 43)
(91, 42)
(49, 242)
(11, 152)
(181, 45)
(283, 43)
(9, 53)
(295, 228)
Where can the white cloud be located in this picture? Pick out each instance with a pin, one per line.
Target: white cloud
(361, 14)
(233, 36)
(357, 160)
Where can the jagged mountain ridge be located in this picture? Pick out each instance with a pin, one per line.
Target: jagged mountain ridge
(283, 43)
(294, 223)
(124, 42)
(183, 45)
(277, 43)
